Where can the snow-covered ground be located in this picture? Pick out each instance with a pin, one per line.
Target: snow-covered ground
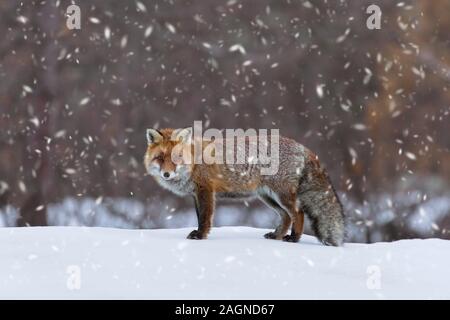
(235, 263)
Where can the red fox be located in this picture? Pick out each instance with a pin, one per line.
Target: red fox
(300, 186)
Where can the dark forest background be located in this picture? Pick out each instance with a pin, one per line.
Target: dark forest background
(373, 104)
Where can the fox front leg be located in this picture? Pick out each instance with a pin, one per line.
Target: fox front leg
(204, 206)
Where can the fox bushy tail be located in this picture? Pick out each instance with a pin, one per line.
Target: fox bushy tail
(320, 202)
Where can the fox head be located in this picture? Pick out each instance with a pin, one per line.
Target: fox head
(167, 155)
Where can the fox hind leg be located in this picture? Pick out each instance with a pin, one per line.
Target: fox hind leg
(289, 204)
(285, 223)
(297, 227)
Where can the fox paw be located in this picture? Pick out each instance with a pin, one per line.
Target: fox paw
(196, 235)
(270, 235)
(290, 238)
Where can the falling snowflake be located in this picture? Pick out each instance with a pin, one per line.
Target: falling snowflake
(319, 90)
(237, 47)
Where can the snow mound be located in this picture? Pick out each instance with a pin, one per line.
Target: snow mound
(234, 263)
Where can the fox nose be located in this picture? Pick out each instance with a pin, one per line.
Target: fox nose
(166, 174)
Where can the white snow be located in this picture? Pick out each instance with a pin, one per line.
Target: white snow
(234, 263)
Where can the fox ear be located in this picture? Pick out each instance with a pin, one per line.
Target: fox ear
(183, 135)
(153, 136)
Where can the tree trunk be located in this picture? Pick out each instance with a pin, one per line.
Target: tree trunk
(33, 212)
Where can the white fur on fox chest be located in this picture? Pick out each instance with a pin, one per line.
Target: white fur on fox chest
(181, 187)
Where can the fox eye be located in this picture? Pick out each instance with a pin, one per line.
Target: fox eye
(178, 158)
(159, 158)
